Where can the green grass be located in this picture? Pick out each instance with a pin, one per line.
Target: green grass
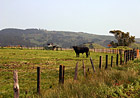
(99, 84)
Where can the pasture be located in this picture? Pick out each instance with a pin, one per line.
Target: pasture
(102, 83)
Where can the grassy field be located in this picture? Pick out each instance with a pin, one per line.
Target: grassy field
(117, 81)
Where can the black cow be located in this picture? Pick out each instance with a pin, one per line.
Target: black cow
(81, 50)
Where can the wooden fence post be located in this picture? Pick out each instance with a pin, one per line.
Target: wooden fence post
(92, 64)
(60, 74)
(76, 71)
(111, 61)
(100, 62)
(38, 80)
(120, 57)
(128, 55)
(125, 57)
(16, 85)
(63, 75)
(133, 54)
(106, 62)
(84, 69)
(117, 59)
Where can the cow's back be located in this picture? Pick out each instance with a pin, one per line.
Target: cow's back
(80, 49)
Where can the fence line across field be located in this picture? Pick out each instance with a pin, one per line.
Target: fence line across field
(98, 50)
(128, 56)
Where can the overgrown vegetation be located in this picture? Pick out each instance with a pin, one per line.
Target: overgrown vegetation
(118, 81)
(123, 39)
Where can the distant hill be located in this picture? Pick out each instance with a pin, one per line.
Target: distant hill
(135, 45)
(37, 37)
(137, 40)
(94, 45)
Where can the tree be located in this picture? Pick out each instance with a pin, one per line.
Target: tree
(123, 38)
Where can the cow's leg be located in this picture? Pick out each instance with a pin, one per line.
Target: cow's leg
(86, 54)
(82, 55)
(77, 54)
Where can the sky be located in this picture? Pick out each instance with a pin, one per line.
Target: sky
(90, 16)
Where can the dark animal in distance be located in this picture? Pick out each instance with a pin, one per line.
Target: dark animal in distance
(49, 46)
(79, 50)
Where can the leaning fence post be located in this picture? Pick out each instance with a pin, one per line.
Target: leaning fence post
(106, 62)
(16, 85)
(38, 80)
(92, 64)
(111, 61)
(100, 62)
(76, 71)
